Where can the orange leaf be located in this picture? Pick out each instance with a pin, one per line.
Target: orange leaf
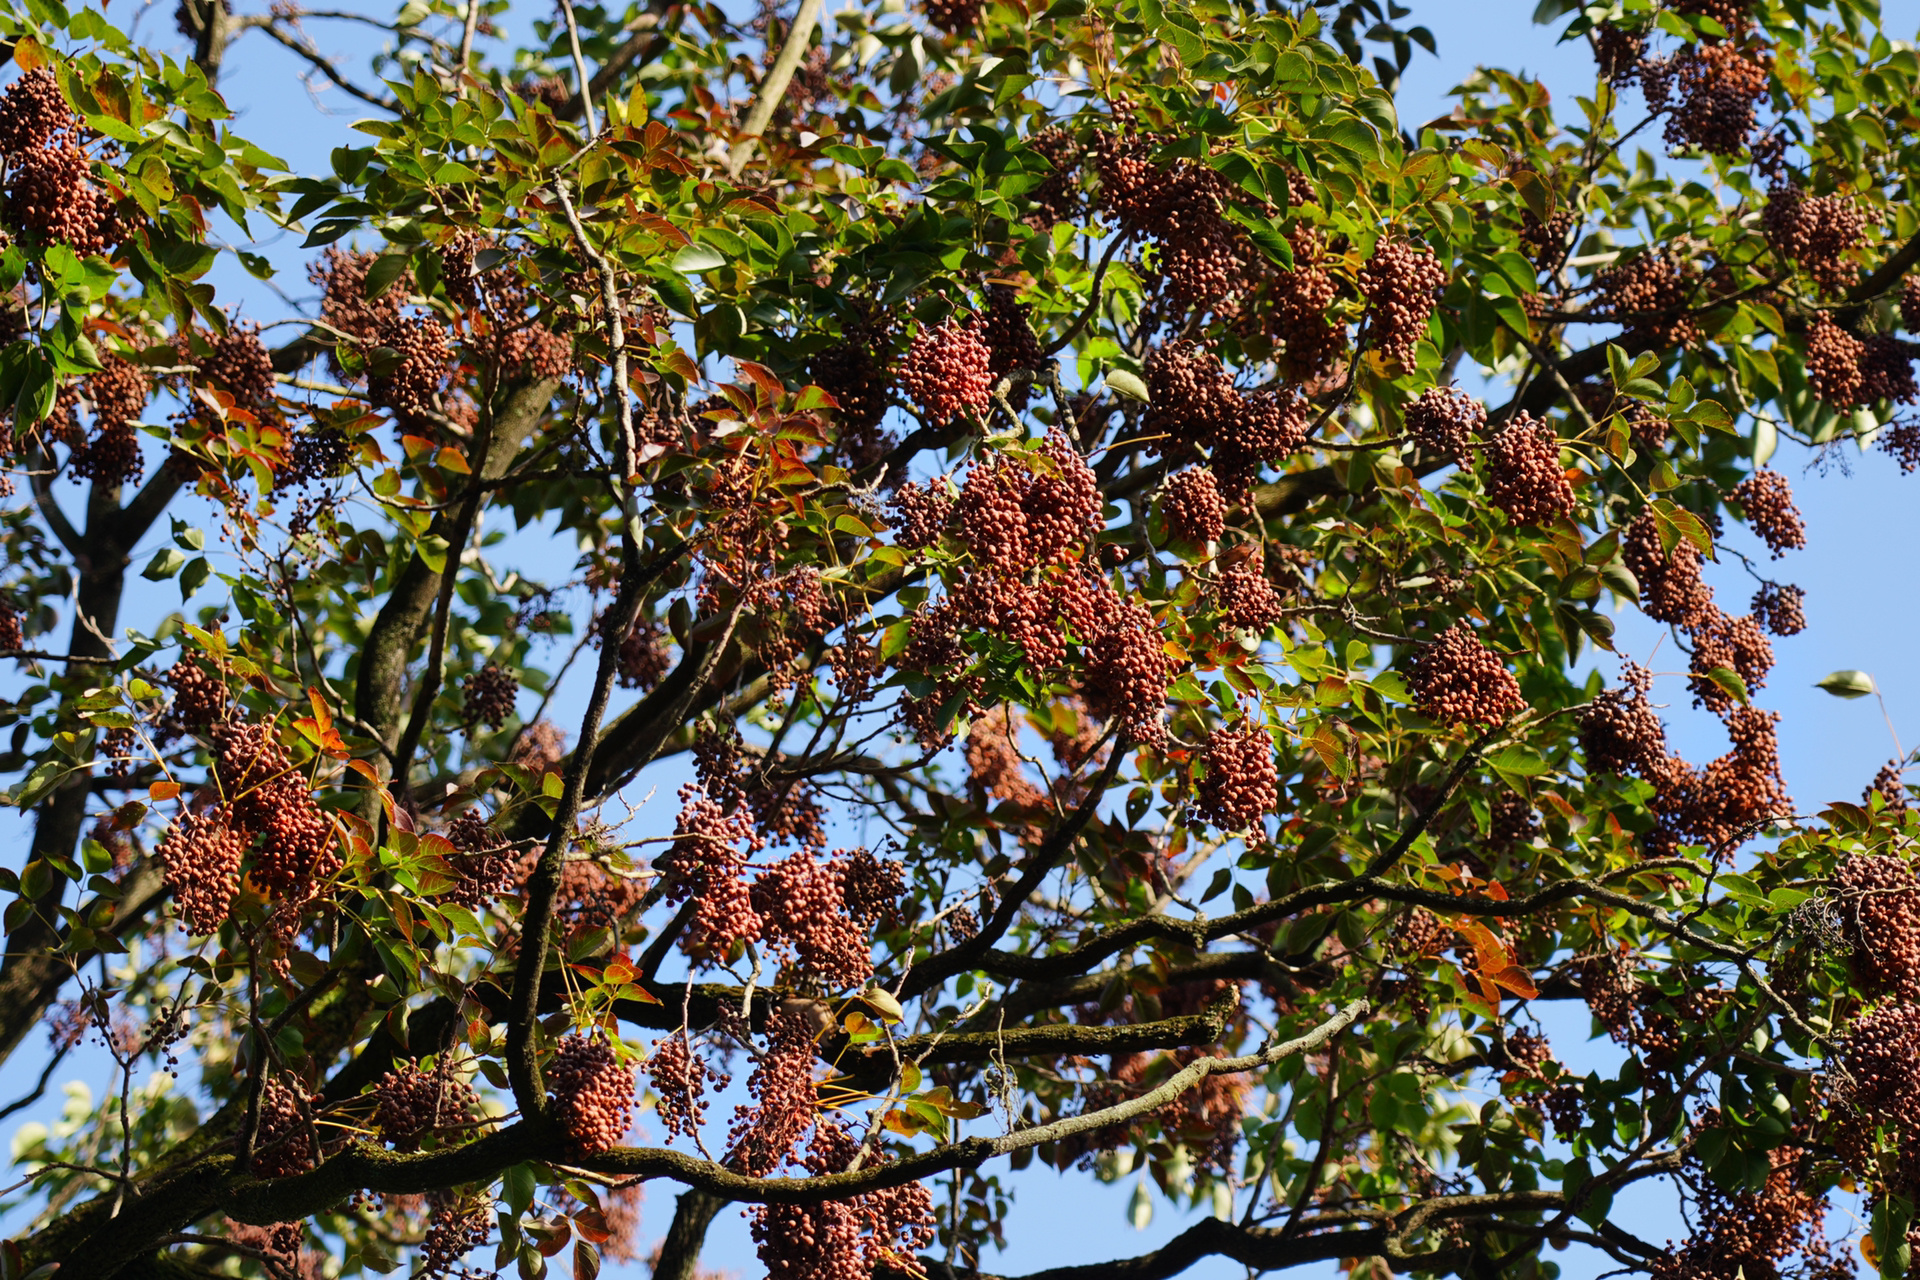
(451, 459)
(1516, 980)
(163, 790)
(322, 715)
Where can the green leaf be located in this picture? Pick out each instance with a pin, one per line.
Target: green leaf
(165, 563)
(696, 258)
(517, 1187)
(385, 270)
(1728, 681)
(1847, 684)
(1126, 384)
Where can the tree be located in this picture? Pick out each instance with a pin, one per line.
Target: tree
(1129, 694)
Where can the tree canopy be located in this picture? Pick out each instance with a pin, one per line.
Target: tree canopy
(1074, 541)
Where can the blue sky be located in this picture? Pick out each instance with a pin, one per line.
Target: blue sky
(1860, 587)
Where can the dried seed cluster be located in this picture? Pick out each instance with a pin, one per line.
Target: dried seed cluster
(1768, 499)
(1401, 283)
(948, 372)
(592, 1093)
(1522, 473)
(1194, 510)
(1444, 421)
(1241, 785)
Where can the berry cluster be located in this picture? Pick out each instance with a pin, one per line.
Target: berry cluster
(200, 860)
(408, 381)
(1193, 406)
(1736, 644)
(1418, 935)
(51, 193)
(1522, 472)
(1620, 733)
(1886, 370)
(342, 278)
(679, 1077)
(1013, 517)
(1195, 513)
(1649, 296)
(1057, 199)
(415, 1102)
(920, 513)
(1127, 674)
(240, 364)
(1880, 898)
(284, 1142)
(947, 372)
(118, 395)
(1671, 589)
(708, 866)
(457, 274)
(1768, 501)
(318, 453)
(1202, 256)
(456, 1227)
(1444, 421)
(267, 797)
(1247, 597)
(592, 1093)
(529, 353)
(1834, 357)
(1008, 332)
(955, 17)
(490, 693)
(1780, 608)
(1731, 797)
(801, 900)
(1458, 680)
(763, 1136)
(994, 763)
(1889, 785)
(482, 866)
(872, 888)
(852, 1239)
(13, 635)
(645, 657)
(199, 699)
(1241, 785)
(1719, 85)
(1401, 282)
(859, 384)
(1818, 232)
(1300, 300)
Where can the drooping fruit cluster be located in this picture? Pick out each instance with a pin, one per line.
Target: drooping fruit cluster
(415, 1102)
(199, 699)
(457, 1225)
(50, 191)
(850, 1239)
(858, 382)
(1780, 608)
(955, 17)
(592, 1093)
(1886, 370)
(1880, 906)
(1015, 515)
(284, 1142)
(872, 888)
(1733, 644)
(947, 372)
(319, 453)
(1444, 421)
(1889, 786)
(457, 274)
(763, 1136)
(1309, 340)
(679, 1077)
(1833, 362)
(408, 380)
(708, 865)
(1768, 500)
(1820, 233)
(13, 635)
(267, 797)
(1881, 1088)
(1621, 733)
(1193, 407)
(200, 860)
(1671, 589)
(1247, 597)
(1522, 472)
(1127, 674)
(118, 395)
(482, 862)
(1649, 296)
(644, 657)
(1734, 796)
(1719, 86)
(1458, 680)
(1401, 282)
(490, 693)
(920, 513)
(1241, 785)
(1202, 256)
(344, 305)
(994, 764)
(1194, 511)
(802, 901)
(1057, 199)
(239, 363)
(1008, 333)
